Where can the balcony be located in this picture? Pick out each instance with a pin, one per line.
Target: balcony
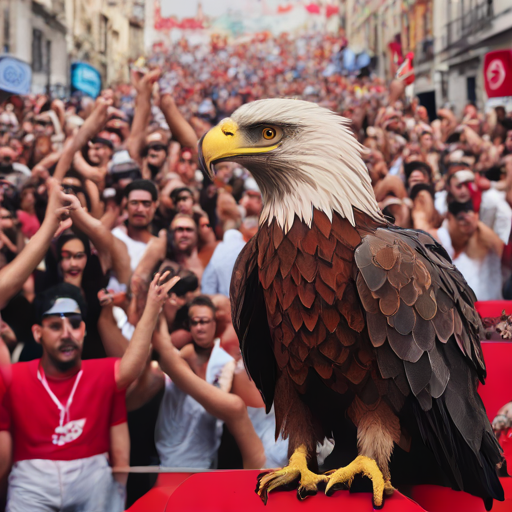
(457, 31)
(424, 51)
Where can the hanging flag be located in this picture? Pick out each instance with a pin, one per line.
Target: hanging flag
(406, 71)
(331, 10)
(313, 8)
(281, 9)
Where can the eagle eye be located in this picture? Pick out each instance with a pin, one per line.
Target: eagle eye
(269, 133)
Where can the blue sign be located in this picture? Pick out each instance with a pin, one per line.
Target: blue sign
(86, 79)
(15, 75)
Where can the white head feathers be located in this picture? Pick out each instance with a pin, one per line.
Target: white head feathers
(318, 163)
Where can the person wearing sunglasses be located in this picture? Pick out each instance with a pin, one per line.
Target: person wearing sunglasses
(186, 434)
(61, 460)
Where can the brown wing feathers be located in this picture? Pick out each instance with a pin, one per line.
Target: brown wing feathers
(431, 346)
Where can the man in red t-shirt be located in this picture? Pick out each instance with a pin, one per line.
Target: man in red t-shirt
(66, 415)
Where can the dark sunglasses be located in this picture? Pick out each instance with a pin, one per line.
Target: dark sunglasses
(42, 122)
(183, 230)
(74, 318)
(156, 147)
(202, 321)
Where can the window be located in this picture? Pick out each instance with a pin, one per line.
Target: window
(103, 33)
(7, 30)
(37, 50)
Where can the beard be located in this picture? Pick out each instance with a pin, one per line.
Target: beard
(65, 366)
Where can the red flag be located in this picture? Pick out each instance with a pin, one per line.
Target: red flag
(406, 71)
(331, 10)
(313, 8)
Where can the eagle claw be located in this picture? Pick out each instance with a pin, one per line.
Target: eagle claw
(343, 477)
(296, 471)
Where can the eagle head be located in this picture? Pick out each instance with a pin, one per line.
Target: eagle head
(302, 156)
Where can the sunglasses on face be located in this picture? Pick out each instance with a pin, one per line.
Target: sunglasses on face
(181, 229)
(183, 198)
(43, 123)
(200, 321)
(74, 318)
(6, 217)
(6, 159)
(78, 256)
(159, 147)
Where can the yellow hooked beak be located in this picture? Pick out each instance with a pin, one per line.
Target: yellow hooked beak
(223, 142)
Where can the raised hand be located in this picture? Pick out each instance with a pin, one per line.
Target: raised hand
(59, 203)
(159, 289)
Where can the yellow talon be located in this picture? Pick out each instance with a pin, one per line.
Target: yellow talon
(297, 467)
(360, 465)
(388, 488)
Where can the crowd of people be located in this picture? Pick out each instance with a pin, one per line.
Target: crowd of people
(116, 255)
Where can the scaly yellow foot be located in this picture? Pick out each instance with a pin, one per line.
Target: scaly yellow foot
(343, 477)
(297, 468)
(388, 488)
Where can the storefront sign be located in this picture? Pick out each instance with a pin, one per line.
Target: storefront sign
(15, 75)
(86, 79)
(498, 73)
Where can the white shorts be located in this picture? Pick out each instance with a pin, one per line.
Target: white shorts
(82, 485)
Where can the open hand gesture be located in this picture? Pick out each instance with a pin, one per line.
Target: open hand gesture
(159, 289)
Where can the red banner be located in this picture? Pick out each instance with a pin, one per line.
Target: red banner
(498, 73)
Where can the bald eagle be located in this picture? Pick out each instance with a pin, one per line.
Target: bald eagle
(353, 328)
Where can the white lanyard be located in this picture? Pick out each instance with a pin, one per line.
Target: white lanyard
(64, 411)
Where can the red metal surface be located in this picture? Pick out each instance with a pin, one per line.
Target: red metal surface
(229, 491)
(233, 491)
(498, 385)
(493, 308)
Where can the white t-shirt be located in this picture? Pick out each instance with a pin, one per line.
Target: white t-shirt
(483, 276)
(186, 435)
(135, 248)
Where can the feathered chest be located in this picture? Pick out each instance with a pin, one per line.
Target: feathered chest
(313, 311)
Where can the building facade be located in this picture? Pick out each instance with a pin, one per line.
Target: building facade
(108, 34)
(471, 29)
(51, 34)
(35, 32)
(448, 37)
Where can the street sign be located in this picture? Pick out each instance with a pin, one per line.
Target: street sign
(15, 75)
(86, 79)
(498, 73)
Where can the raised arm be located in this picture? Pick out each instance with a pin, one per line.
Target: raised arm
(180, 128)
(227, 407)
(144, 86)
(113, 253)
(89, 172)
(87, 131)
(134, 359)
(14, 275)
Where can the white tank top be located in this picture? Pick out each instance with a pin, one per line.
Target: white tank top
(185, 434)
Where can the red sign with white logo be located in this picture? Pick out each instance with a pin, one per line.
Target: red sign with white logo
(498, 73)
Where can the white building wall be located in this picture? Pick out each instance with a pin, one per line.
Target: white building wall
(59, 59)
